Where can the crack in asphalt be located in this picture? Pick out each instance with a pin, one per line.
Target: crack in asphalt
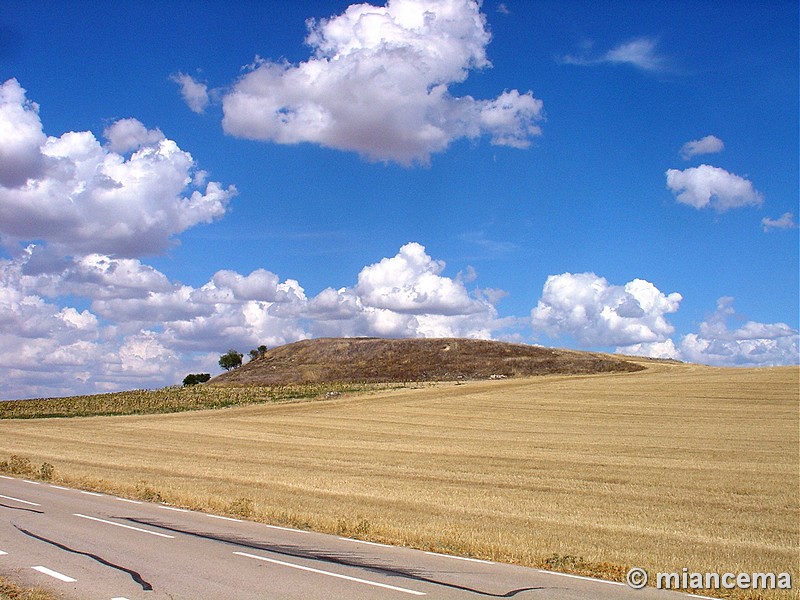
(326, 557)
(134, 575)
(33, 510)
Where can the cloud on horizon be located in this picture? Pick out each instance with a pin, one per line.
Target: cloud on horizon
(751, 345)
(142, 329)
(377, 83)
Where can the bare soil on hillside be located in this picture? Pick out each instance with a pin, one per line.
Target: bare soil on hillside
(374, 360)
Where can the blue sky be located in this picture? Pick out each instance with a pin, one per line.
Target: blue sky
(181, 178)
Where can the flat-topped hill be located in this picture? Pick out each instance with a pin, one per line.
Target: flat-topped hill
(375, 360)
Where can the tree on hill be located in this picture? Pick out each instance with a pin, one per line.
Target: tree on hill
(230, 360)
(195, 378)
(258, 352)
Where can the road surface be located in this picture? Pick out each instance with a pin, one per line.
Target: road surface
(90, 546)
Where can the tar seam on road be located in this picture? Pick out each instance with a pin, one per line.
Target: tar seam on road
(134, 575)
(33, 510)
(295, 552)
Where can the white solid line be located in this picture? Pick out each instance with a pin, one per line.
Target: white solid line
(477, 560)
(302, 568)
(127, 500)
(287, 529)
(32, 482)
(363, 542)
(55, 574)
(581, 577)
(90, 493)
(172, 508)
(60, 487)
(224, 518)
(18, 500)
(125, 526)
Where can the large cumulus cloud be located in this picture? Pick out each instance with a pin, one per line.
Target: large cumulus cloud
(596, 313)
(377, 83)
(129, 197)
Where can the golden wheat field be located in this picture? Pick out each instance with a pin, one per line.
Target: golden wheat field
(675, 466)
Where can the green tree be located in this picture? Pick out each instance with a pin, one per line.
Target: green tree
(254, 354)
(195, 378)
(231, 360)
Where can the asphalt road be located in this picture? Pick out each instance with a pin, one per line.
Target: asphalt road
(91, 546)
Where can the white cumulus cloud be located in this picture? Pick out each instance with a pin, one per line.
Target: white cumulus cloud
(597, 313)
(710, 144)
(377, 84)
(81, 197)
(405, 296)
(713, 187)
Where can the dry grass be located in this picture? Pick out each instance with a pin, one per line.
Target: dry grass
(676, 466)
(11, 591)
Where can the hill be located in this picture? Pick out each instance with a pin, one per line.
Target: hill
(375, 360)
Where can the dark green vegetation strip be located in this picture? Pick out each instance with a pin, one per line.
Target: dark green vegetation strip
(168, 400)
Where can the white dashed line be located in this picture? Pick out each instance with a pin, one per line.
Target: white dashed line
(329, 574)
(287, 529)
(32, 482)
(18, 500)
(363, 542)
(3, 553)
(477, 560)
(55, 574)
(125, 526)
(90, 493)
(61, 487)
(224, 518)
(127, 500)
(5, 477)
(581, 577)
(172, 508)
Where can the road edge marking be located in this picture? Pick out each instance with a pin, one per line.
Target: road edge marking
(331, 574)
(477, 560)
(125, 526)
(581, 577)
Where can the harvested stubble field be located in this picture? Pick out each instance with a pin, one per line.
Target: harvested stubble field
(674, 466)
